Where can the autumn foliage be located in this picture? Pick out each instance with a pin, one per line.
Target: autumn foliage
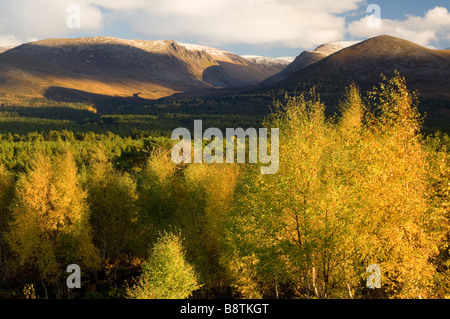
(351, 191)
(361, 187)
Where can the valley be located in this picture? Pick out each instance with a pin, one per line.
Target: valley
(86, 175)
(97, 83)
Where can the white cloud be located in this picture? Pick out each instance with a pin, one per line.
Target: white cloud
(268, 23)
(427, 30)
(292, 23)
(263, 22)
(8, 39)
(26, 19)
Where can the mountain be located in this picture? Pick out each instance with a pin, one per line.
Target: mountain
(234, 70)
(424, 69)
(6, 48)
(106, 66)
(272, 65)
(309, 57)
(271, 61)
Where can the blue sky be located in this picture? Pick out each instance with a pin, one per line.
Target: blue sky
(399, 8)
(254, 27)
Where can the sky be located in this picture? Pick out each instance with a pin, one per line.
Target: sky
(274, 28)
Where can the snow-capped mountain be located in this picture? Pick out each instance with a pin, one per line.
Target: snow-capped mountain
(116, 67)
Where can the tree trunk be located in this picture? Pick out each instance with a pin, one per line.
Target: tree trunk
(58, 290)
(314, 281)
(349, 291)
(45, 288)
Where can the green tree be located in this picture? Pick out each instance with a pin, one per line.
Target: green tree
(112, 198)
(159, 190)
(6, 196)
(208, 191)
(166, 274)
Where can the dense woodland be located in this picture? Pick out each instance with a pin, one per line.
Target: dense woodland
(361, 186)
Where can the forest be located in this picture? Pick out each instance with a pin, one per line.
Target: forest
(362, 185)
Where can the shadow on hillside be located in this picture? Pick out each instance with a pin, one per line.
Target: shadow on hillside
(102, 102)
(102, 61)
(109, 104)
(49, 112)
(229, 75)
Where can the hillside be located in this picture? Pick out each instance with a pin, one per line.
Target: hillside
(232, 70)
(105, 66)
(425, 69)
(6, 48)
(272, 65)
(307, 58)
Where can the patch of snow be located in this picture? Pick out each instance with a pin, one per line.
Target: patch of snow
(268, 60)
(197, 47)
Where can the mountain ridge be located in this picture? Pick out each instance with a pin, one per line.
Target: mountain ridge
(425, 69)
(307, 58)
(118, 67)
(107, 67)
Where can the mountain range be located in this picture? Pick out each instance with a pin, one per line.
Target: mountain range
(307, 58)
(426, 70)
(95, 67)
(116, 67)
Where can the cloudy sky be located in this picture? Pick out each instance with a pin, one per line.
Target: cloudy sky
(258, 27)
